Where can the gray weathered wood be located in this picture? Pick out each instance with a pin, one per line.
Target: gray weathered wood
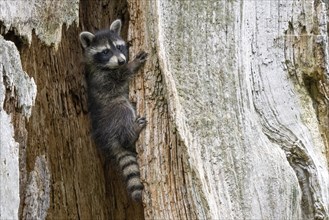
(236, 94)
(14, 84)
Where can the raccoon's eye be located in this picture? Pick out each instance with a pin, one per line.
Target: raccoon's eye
(106, 51)
(119, 47)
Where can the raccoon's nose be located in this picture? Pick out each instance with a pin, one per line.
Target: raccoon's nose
(121, 61)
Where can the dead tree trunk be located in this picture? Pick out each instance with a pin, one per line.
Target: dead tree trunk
(235, 94)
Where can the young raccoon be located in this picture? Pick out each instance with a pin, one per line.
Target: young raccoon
(115, 126)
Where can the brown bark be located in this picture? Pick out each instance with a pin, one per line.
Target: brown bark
(162, 159)
(59, 126)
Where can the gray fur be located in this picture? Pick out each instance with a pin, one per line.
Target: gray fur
(85, 38)
(116, 26)
(115, 126)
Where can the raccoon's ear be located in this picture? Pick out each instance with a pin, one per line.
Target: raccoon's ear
(86, 38)
(116, 26)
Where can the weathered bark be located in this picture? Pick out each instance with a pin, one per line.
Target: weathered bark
(17, 94)
(253, 141)
(235, 93)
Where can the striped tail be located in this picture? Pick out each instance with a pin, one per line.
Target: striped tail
(128, 165)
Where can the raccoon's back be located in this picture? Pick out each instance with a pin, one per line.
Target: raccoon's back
(114, 122)
(111, 127)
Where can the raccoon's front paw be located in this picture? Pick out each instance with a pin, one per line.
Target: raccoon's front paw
(141, 56)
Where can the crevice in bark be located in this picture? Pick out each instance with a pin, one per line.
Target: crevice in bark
(10, 102)
(11, 35)
(317, 86)
(19, 41)
(312, 89)
(316, 81)
(318, 90)
(304, 168)
(59, 126)
(93, 17)
(296, 151)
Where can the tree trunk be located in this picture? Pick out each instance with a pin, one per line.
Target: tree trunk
(236, 94)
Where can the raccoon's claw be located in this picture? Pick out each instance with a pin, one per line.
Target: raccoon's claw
(141, 121)
(141, 56)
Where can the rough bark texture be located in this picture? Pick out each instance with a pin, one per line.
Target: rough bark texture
(236, 94)
(253, 139)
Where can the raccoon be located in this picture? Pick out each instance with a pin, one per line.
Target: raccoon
(115, 126)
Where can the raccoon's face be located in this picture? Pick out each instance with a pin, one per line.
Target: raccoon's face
(105, 49)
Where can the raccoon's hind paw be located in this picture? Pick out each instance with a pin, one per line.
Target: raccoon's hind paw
(141, 56)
